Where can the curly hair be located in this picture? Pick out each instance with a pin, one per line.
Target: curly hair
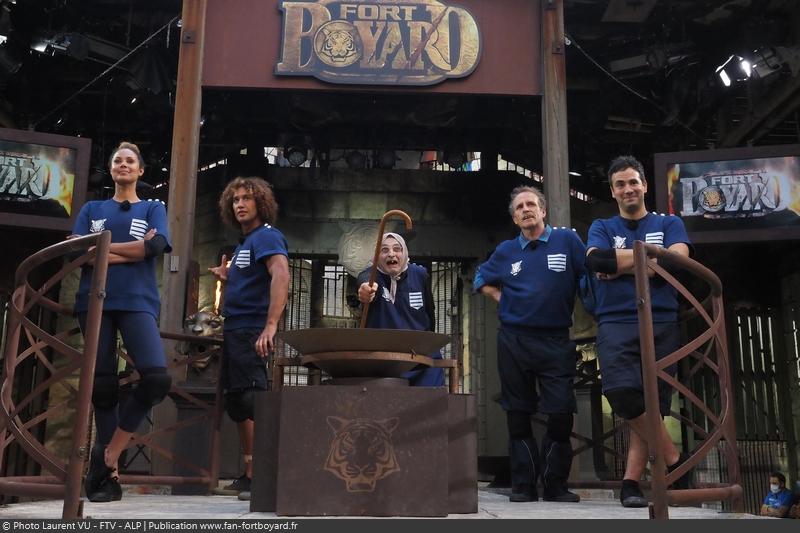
(525, 188)
(125, 145)
(266, 205)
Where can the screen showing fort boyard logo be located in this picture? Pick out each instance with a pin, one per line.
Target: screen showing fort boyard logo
(36, 179)
(414, 42)
(736, 194)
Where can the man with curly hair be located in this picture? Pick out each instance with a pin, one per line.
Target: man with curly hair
(256, 290)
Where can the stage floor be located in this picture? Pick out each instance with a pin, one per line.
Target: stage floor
(492, 504)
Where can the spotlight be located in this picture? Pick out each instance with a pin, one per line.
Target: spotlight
(295, 155)
(455, 159)
(769, 60)
(735, 68)
(356, 160)
(386, 159)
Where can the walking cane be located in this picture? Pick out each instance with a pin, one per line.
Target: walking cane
(374, 270)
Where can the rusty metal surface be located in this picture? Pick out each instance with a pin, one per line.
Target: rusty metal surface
(362, 451)
(15, 424)
(462, 454)
(365, 364)
(720, 426)
(266, 437)
(315, 340)
(27, 340)
(426, 464)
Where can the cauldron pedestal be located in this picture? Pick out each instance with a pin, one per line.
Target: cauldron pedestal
(373, 448)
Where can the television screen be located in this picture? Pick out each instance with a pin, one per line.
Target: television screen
(739, 194)
(42, 178)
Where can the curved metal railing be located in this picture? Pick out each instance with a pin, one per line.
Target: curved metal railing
(26, 339)
(707, 351)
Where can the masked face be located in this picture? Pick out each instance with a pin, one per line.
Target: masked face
(391, 258)
(774, 488)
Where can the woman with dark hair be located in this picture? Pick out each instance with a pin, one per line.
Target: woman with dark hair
(138, 237)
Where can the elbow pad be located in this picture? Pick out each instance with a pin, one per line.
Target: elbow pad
(602, 260)
(155, 246)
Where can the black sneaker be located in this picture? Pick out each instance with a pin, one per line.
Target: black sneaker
(631, 495)
(523, 493)
(685, 481)
(100, 484)
(560, 494)
(240, 484)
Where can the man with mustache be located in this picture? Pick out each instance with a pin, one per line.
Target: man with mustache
(533, 278)
(610, 257)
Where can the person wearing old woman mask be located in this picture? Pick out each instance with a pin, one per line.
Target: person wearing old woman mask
(401, 298)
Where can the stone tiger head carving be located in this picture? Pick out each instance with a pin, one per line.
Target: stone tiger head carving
(204, 323)
(361, 452)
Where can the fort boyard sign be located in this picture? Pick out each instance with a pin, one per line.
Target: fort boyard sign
(412, 42)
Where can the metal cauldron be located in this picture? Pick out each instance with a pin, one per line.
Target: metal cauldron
(375, 353)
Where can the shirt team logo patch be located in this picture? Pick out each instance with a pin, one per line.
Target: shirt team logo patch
(619, 242)
(415, 300)
(387, 295)
(557, 262)
(242, 259)
(656, 238)
(97, 225)
(516, 268)
(138, 228)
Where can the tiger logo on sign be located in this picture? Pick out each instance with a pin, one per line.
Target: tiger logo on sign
(361, 452)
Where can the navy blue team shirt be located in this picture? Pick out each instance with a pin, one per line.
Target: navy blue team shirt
(538, 278)
(247, 288)
(412, 304)
(615, 299)
(129, 286)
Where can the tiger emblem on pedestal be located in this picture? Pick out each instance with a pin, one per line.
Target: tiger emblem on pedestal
(362, 451)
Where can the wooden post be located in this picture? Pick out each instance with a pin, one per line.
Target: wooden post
(183, 167)
(180, 208)
(555, 152)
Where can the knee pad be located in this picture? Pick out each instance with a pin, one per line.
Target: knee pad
(559, 427)
(626, 403)
(153, 386)
(519, 424)
(105, 393)
(240, 405)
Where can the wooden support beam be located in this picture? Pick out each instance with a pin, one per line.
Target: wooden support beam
(183, 166)
(555, 151)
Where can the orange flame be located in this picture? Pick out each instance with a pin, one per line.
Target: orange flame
(60, 184)
(673, 173)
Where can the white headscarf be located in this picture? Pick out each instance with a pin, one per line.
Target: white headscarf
(403, 262)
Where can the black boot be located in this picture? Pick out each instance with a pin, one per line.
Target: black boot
(99, 484)
(557, 457)
(524, 457)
